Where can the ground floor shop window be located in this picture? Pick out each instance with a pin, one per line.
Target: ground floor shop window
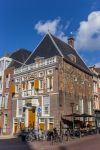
(5, 123)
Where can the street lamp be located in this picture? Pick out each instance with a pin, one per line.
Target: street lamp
(72, 106)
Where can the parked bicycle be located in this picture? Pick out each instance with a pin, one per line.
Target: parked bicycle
(70, 133)
(54, 136)
(31, 136)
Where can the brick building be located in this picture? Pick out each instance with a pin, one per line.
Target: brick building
(96, 87)
(53, 78)
(16, 60)
(4, 62)
(96, 93)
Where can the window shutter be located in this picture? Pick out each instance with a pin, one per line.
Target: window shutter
(12, 88)
(36, 84)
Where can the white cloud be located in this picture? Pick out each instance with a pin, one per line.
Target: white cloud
(54, 26)
(43, 27)
(97, 64)
(88, 34)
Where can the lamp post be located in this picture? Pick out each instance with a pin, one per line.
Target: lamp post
(72, 106)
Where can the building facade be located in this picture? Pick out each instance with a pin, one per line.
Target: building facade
(4, 62)
(46, 85)
(96, 93)
(8, 89)
(96, 87)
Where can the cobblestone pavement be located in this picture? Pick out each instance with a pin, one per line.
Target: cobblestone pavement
(86, 143)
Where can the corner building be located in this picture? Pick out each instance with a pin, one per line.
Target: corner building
(51, 79)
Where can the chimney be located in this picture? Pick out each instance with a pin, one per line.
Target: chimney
(71, 41)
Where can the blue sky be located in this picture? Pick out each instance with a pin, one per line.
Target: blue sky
(23, 23)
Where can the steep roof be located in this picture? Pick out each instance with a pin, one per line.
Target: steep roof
(45, 49)
(19, 57)
(52, 46)
(67, 50)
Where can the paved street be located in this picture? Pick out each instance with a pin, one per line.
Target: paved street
(87, 143)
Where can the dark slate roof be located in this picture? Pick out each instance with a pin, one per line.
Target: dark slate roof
(52, 46)
(19, 57)
(67, 50)
(45, 49)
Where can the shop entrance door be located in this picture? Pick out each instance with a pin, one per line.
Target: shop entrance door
(31, 118)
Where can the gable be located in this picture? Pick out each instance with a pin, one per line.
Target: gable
(19, 57)
(45, 49)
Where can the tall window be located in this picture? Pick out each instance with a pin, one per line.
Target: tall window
(41, 84)
(31, 84)
(0, 101)
(46, 105)
(89, 108)
(81, 106)
(5, 123)
(7, 80)
(50, 82)
(19, 108)
(17, 88)
(5, 119)
(6, 101)
(23, 86)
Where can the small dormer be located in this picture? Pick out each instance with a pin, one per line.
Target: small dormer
(39, 59)
(72, 58)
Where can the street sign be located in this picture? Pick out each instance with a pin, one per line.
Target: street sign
(39, 110)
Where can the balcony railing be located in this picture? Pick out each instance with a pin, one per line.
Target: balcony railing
(28, 93)
(33, 66)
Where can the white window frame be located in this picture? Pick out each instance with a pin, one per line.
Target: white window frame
(17, 88)
(89, 107)
(7, 81)
(41, 84)
(47, 105)
(81, 106)
(17, 114)
(6, 101)
(48, 83)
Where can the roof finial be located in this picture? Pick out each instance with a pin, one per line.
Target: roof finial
(71, 34)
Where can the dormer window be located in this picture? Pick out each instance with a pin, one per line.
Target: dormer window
(41, 74)
(39, 59)
(72, 57)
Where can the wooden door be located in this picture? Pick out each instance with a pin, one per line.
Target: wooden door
(22, 125)
(42, 126)
(31, 118)
(50, 125)
(15, 127)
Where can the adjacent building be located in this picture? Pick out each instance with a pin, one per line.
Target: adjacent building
(15, 60)
(96, 92)
(4, 62)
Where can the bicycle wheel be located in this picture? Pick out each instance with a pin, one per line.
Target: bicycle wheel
(52, 140)
(27, 139)
(72, 134)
